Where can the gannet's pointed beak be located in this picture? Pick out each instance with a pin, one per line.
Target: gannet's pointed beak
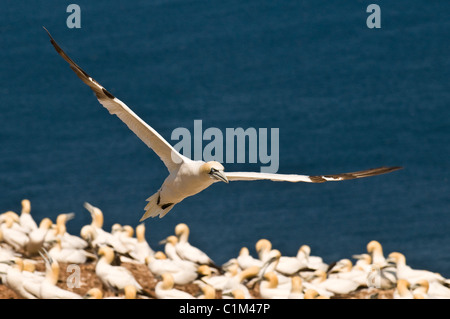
(218, 175)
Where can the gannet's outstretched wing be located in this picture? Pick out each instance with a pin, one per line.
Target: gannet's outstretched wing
(250, 176)
(145, 132)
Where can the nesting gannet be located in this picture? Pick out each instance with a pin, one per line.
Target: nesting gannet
(13, 237)
(188, 252)
(142, 248)
(269, 288)
(68, 254)
(95, 293)
(183, 272)
(68, 240)
(96, 235)
(26, 220)
(245, 260)
(217, 281)
(228, 282)
(433, 290)
(124, 235)
(312, 262)
(15, 279)
(333, 285)
(384, 277)
(37, 237)
(363, 261)
(314, 294)
(208, 292)
(271, 264)
(263, 248)
(290, 265)
(412, 275)
(344, 269)
(116, 277)
(187, 177)
(296, 288)
(165, 289)
(48, 288)
(375, 250)
(402, 291)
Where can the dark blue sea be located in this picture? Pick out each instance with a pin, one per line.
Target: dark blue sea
(344, 97)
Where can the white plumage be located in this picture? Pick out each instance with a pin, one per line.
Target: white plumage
(187, 177)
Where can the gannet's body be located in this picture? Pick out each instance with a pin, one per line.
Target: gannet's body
(187, 177)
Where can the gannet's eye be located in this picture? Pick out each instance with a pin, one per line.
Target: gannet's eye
(213, 170)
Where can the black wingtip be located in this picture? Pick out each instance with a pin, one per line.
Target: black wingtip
(47, 32)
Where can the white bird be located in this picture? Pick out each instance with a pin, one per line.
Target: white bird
(363, 261)
(16, 280)
(290, 265)
(402, 291)
(269, 288)
(208, 292)
(375, 251)
(310, 293)
(37, 237)
(183, 272)
(231, 284)
(96, 235)
(169, 247)
(313, 262)
(142, 248)
(13, 237)
(271, 264)
(95, 293)
(124, 234)
(433, 290)
(245, 260)
(187, 177)
(68, 240)
(68, 254)
(116, 277)
(296, 288)
(263, 248)
(26, 220)
(165, 289)
(188, 252)
(48, 288)
(217, 281)
(344, 270)
(412, 275)
(319, 280)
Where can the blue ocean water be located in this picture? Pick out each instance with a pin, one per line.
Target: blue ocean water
(344, 97)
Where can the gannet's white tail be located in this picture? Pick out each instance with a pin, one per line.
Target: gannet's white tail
(155, 208)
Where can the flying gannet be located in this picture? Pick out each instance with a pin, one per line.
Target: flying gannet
(188, 177)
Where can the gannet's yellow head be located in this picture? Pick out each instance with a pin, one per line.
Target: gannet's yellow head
(45, 223)
(397, 258)
(263, 245)
(204, 270)
(93, 293)
(181, 229)
(374, 246)
(107, 253)
(168, 281)
(272, 279)
(26, 206)
(215, 170)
